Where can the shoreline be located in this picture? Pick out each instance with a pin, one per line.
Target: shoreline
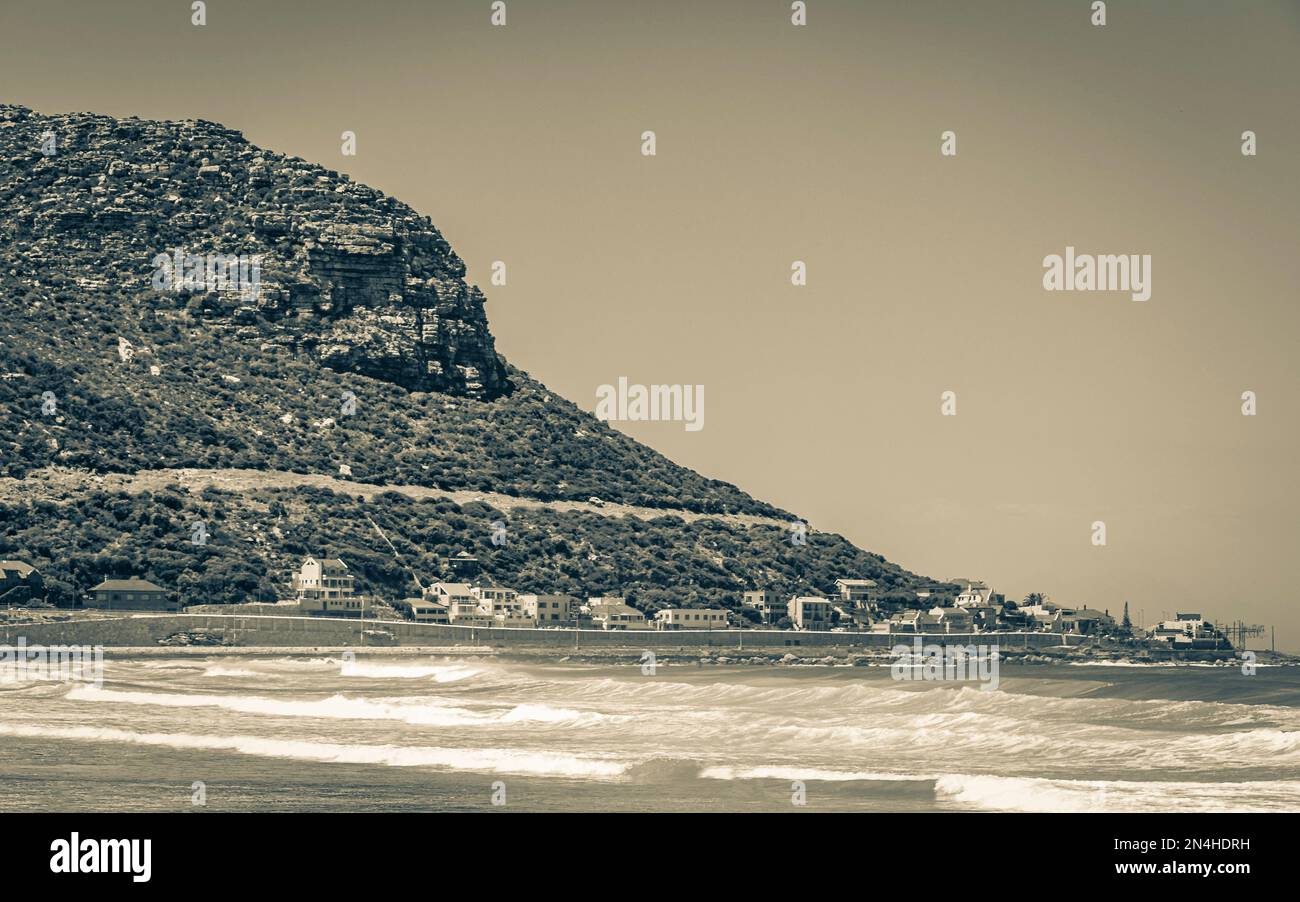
(634, 655)
(148, 634)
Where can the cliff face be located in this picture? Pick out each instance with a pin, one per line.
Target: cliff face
(359, 302)
(358, 281)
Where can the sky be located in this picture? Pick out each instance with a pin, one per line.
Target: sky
(821, 143)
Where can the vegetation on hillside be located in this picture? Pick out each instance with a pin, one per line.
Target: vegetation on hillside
(285, 412)
(255, 540)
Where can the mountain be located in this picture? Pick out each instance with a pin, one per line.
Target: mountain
(177, 299)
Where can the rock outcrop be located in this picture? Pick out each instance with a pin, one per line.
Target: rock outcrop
(356, 279)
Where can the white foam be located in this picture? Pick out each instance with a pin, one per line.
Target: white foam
(216, 670)
(441, 673)
(423, 711)
(1039, 794)
(803, 773)
(506, 761)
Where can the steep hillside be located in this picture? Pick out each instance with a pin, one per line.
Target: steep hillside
(334, 334)
(361, 306)
(255, 537)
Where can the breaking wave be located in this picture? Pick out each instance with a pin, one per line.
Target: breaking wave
(422, 711)
(503, 761)
(993, 793)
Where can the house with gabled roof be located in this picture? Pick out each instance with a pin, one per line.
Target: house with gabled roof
(131, 594)
(20, 582)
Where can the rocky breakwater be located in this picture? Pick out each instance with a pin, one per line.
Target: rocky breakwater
(354, 278)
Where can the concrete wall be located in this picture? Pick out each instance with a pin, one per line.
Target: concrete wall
(147, 629)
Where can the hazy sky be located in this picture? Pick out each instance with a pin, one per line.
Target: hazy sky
(822, 143)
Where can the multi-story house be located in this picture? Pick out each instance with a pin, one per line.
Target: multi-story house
(859, 593)
(691, 619)
(808, 612)
(324, 586)
(461, 603)
(501, 604)
(769, 606)
(544, 609)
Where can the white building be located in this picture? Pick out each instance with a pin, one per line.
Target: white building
(1188, 631)
(502, 605)
(809, 612)
(691, 619)
(974, 593)
(324, 586)
(612, 613)
(770, 608)
(461, 603)
(860, 593)
(424, 610)
(322, 579)
(548, 608)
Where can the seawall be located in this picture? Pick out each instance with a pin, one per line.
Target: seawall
(145, 630)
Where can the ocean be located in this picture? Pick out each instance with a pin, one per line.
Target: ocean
(408, 733)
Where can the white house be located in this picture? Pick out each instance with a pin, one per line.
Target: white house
(809, 612)
(770, 608)
(548, 608)
(612, 613)
(974, 593)
(858, 592)
(461, 603)
(501, 604)
(691, 619)
(323, 578)
(424, 610)
(324, 586)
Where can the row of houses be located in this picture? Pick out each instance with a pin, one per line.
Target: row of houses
(464, 604)
(856, 605)
(325, 586)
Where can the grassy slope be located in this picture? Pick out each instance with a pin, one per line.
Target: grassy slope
(256, 538)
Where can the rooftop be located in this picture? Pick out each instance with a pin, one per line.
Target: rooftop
(22, 567)
(127, 585)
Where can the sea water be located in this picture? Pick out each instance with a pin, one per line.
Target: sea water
(248, 732)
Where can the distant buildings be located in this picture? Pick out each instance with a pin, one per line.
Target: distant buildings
(489, 605)
(1087, 622)
(935, 620)
(463, 566)
(613, 613)
(974, 593)
(1190, 631)
(948, 620)
(906, 621)
(324, 586)
(129, 595)
(20, 583)
(461, 603)
(808, 612)
(770, 608)
(423, 610)
(691, 619)
(502, 605)
(860, 593)
(548, 608)
(324, 578)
